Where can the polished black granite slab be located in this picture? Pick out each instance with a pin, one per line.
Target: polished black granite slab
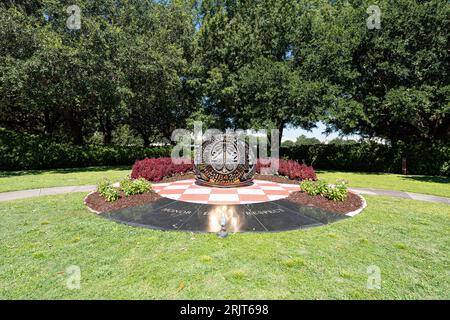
(168, 214)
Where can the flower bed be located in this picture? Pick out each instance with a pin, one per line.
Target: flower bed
(97, 203)
(289, 168)
(317, 194)
(156, 169)
(351, 203)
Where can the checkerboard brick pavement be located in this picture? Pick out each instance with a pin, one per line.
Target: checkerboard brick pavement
(260, 191)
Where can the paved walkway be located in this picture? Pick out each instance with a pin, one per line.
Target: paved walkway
(401, 194)
(14, 195)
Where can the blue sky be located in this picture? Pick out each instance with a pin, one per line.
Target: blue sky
(293, 133)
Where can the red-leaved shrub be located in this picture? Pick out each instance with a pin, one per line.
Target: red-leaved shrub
(154, 169)
(289, 168)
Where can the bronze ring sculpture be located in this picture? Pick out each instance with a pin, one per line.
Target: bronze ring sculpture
(225, 161)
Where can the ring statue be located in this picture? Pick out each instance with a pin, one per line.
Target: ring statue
(225, 161)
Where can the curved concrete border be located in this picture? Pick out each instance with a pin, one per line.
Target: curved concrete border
(358, 211)
(85, 203)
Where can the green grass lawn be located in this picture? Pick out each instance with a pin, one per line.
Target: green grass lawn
(40, 237)
(438, 186)
(22, 180)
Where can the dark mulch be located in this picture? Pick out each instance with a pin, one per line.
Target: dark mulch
(177, 177)
(98, 203)
(351, 203)
(277, 179)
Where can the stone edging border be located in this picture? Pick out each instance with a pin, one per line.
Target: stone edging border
(358, 211)
(89, 208)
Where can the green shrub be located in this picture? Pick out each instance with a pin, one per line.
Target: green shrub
(25, 152)
(427, 159)
(445, 168)
(111, 194)
(103, 185)
(313, 188)
(336, 192)
(131, 187)
(108, 191)
(20, 151)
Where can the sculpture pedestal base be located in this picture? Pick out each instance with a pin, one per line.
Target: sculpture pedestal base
(237, 184)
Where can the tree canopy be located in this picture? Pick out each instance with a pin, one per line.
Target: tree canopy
(127, 64)
(399, 90)
(149, 67)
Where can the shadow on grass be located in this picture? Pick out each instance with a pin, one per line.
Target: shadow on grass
(436, 179)
(420, 178)
(4, 174)
(354, 172)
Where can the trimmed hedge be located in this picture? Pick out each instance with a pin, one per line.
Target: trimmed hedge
(373, 157)
(26, 152)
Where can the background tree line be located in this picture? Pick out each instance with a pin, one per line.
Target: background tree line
(143, 68)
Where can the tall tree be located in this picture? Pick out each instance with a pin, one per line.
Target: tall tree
(128, 63)
(400, 90)
(157, 69)
(250, 73)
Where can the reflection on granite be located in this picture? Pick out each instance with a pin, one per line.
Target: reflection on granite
(280, 215)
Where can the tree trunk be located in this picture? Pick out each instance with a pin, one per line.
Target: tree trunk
(74, 124)
(146, 140)
(280, 132)
(48, 124)
(107, 132)
(77, 133)
(75, 127)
